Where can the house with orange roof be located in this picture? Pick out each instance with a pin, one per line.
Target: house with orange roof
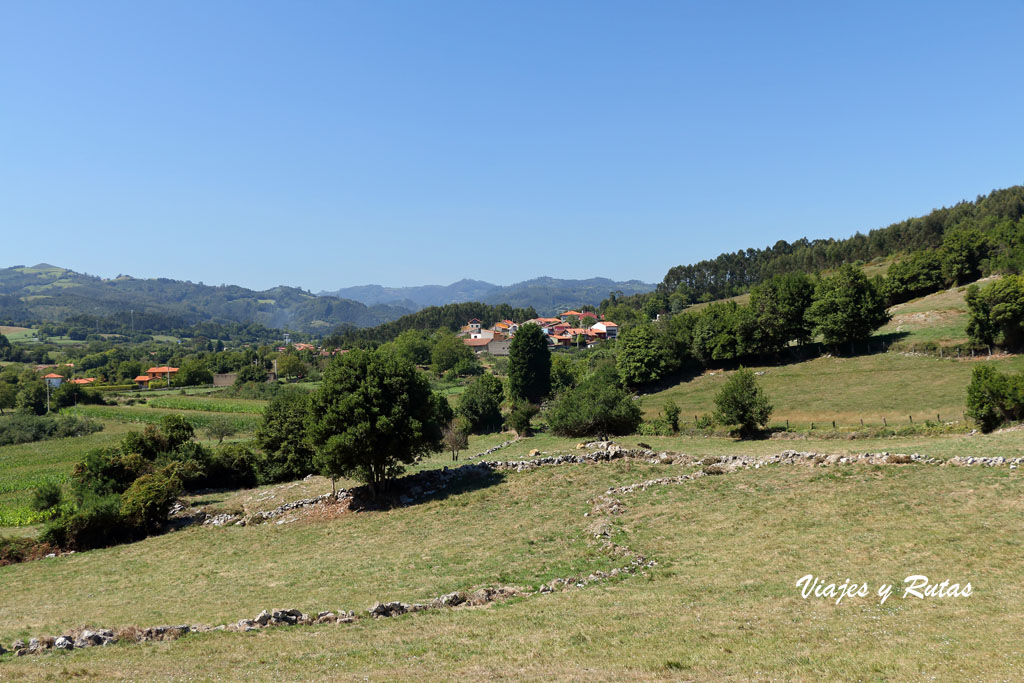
(83, 380)
(162, 371)
(142, 381)
(53, 380)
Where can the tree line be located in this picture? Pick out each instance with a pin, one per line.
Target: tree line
(959, 243)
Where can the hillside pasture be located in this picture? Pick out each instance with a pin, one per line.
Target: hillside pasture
(720, 604)
(890, 386)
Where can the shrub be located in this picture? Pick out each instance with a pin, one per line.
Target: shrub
(519, 419)
(741, 402)
(598, 406)
(994, 398)
(655, 427)
(106, 471)
(147, 501)
(671, 413)
(47, 496)
(231, 466)
(97, 523)
(14, 549)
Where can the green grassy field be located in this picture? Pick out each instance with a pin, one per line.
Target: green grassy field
(17, 334)
(722, 602)
(941, 318)
(892, 386)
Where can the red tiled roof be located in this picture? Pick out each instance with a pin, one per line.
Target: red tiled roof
(142, 378)
(84, 380)
(576, 313)
(163, 369)
(476, 342)
(53, 375)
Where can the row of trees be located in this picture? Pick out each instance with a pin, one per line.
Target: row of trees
(843, 308)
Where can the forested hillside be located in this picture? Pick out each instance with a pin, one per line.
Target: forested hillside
(988, 230)
(450, 316)
(50, 293)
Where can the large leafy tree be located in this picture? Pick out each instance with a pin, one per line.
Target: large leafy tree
(529, 365)
(778, 306)
(640, 357)
(282, 437)
(847, 308)
(193, 372)
(997, 312)
(373, 414)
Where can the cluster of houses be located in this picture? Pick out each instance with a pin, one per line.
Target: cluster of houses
(570, 329)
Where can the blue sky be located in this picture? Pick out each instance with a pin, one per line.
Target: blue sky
(331, 144)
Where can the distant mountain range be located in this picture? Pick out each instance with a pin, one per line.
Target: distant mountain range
(546, 294)
(46, 292)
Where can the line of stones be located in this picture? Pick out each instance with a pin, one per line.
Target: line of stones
(603, 507)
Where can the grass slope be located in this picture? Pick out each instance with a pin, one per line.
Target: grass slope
(722, 603)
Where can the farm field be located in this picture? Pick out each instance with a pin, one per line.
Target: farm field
(721, 603)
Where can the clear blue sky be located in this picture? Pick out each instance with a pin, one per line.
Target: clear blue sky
(327, 144)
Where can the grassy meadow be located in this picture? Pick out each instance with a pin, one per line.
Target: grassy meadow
(722, 602)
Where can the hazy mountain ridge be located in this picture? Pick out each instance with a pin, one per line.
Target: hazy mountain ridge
(546, 294)
(46, 292)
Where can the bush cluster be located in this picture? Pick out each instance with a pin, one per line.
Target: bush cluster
(123, 494)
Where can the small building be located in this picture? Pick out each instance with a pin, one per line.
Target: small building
(606, 329)
(498, 347)
(477, 345)
(142, 381)
(53, 380)
(224, 379)
(83, 380)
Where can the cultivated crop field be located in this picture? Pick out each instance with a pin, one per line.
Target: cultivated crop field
(207, 404)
